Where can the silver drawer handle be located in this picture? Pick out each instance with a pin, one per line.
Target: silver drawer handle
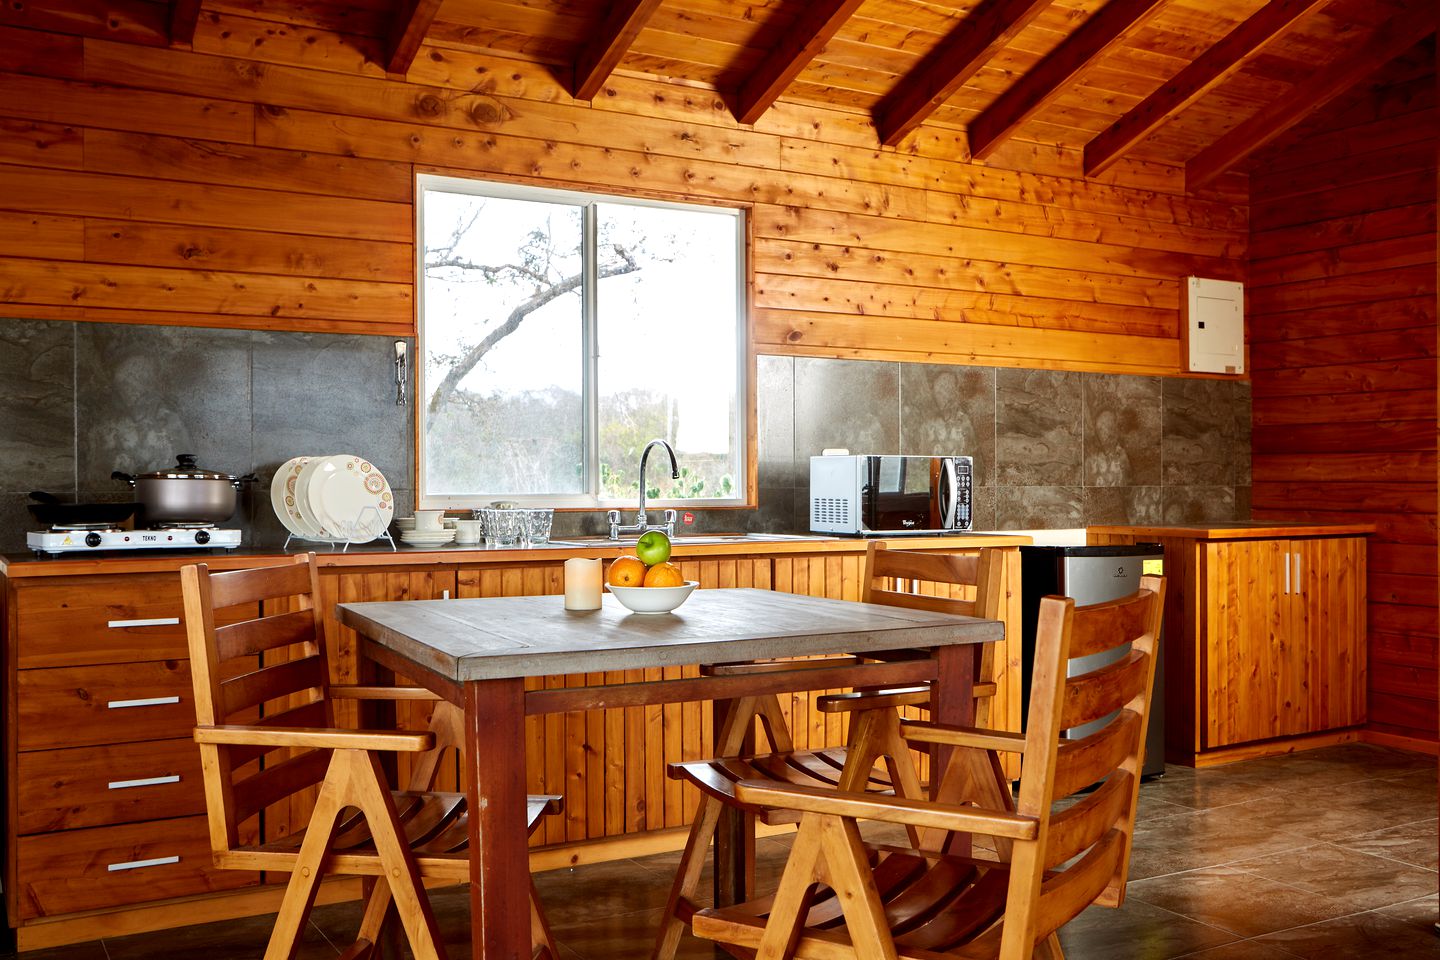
(140, 864)
(152, 622)
(143, 702)
(144, 782)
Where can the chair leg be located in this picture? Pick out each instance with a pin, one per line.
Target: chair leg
(792, 897)
(687, 877)
(1049, 949)
(541, 939)
(305, 879)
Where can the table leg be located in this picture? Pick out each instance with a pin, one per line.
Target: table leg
(495, 786)
(735, 833)
(952, 702)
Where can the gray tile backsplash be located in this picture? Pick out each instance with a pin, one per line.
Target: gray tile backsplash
(1052, 449)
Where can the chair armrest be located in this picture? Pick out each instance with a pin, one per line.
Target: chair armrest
(320, 738)
(918, 731)
(857, 700)
(864, 806)
(350, 691)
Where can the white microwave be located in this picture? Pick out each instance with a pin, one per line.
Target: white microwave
(880, 495)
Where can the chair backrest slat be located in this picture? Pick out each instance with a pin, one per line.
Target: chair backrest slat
(1097, 693)
(920, 601)
(311, 714)
(1077, 827)
(273, 683)
(265, 583)
(1070, 891)
(278, 781)
(934, 567)
(249, 637)
(1125, 618)
(1080, 763)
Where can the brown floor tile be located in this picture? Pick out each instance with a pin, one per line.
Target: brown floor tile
(1245, 904)
(1203, 838)
(1137, 931)
(1339, 811)
(242, 939)
(599, 890)
(1363, 936)
(1413, 843)
(1422, 914)
(625, 938)
(1364, 881)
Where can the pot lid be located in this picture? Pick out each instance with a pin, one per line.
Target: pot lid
(185, 469)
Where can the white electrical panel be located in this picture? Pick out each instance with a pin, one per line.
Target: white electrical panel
(1215, 325)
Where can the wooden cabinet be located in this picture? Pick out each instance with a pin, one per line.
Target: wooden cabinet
(1265, 634)
(102, 764)
(105, 800)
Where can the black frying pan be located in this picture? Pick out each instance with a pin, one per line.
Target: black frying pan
(49, 510)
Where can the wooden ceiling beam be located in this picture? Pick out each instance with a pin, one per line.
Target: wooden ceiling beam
(1393, 38)
(184, 18)
(816, 25)
(1205, 73)
(1051, 76)
(407, 32)
(599, 58)
(962, 53)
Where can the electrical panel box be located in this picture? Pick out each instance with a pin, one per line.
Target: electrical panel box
(1214, 322)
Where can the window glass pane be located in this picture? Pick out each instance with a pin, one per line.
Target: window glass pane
(668, 349)
(504, 360)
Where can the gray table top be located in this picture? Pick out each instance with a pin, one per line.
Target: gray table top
(495, 637)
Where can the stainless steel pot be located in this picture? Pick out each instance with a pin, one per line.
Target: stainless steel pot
(185, 493)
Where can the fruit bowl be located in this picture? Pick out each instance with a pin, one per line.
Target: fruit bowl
(653, 599)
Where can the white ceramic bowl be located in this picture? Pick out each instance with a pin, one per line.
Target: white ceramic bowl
(653, 599)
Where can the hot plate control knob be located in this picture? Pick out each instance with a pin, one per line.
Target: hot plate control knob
(92, 539)
(202, 537)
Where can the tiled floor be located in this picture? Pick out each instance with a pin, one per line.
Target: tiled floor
(1328, 854)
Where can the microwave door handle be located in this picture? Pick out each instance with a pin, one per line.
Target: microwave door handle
(949, 493)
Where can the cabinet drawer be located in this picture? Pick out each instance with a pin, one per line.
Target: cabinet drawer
(110, 620)
(96, 786)
(103, 867)
(104, 620)
(113, 703)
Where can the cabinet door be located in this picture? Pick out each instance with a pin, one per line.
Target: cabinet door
(1329, 616)
(1255, 675)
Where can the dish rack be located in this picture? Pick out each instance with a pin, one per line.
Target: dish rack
(344, 542)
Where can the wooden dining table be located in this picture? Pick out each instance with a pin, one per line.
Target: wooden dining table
(477, 653)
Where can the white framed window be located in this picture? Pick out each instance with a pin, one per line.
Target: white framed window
(559, 332)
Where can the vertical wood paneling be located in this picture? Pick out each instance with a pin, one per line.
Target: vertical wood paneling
(1342, 311)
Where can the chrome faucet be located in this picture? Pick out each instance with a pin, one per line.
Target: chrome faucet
(641, 520)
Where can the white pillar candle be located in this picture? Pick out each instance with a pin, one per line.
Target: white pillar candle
(582, 584)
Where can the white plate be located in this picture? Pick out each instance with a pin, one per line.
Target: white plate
(309, 519)
(350, 498)
(282, 495)
(428, 540)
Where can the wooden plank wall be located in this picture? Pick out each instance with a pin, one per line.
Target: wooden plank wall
(265, 180)
(1343, 352)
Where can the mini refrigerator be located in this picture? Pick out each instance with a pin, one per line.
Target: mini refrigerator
(1093, 575)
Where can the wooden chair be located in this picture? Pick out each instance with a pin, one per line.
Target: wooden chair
(838, 899)
(874, 723)
(358, 825)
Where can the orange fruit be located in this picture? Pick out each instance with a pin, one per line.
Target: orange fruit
(625, 572)
(664, 575)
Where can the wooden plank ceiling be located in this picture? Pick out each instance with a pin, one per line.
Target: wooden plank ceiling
(1200, 83)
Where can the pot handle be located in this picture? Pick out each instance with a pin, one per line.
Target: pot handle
(43, 497)
(248, 478)
(117, 475)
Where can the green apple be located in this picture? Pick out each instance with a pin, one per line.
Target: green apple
(653, 547)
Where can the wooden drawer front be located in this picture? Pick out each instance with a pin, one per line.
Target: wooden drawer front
(81, 620)
(103, 867)
(113, 703)
(96, 786)
(105, 620)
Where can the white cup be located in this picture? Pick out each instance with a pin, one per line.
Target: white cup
(468, 531)
(429, 521)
